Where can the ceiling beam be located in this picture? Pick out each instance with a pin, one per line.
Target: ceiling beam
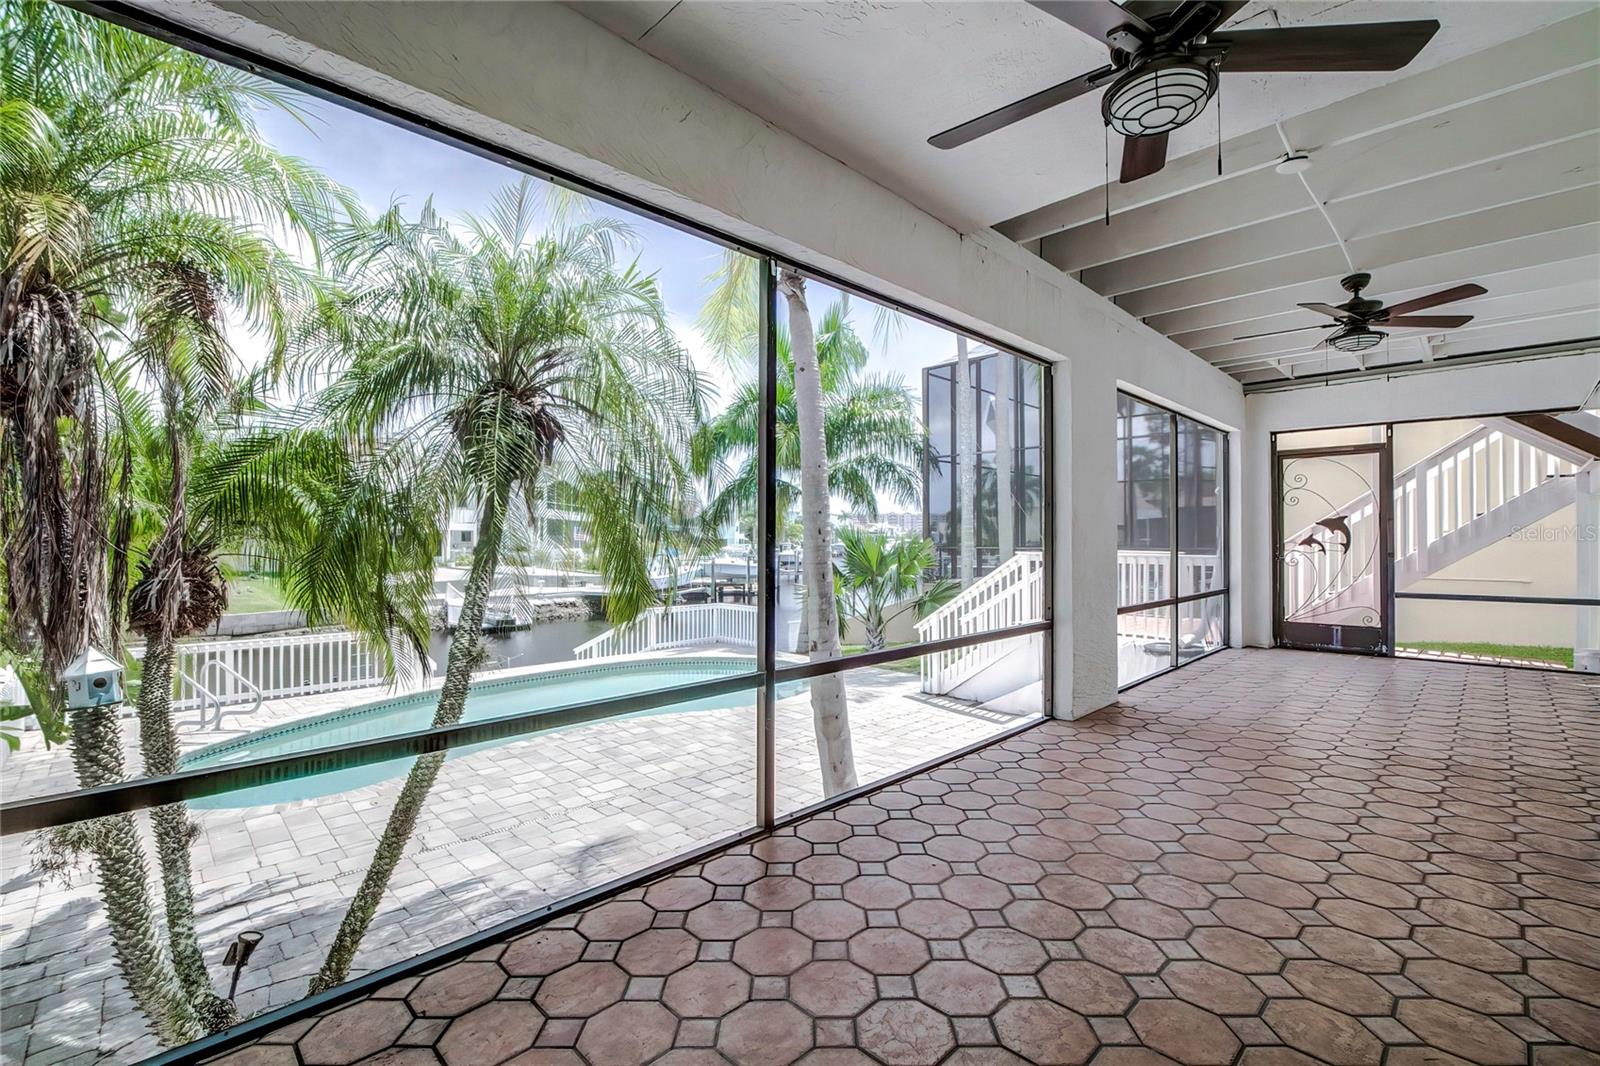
(1519, 146)
(1546, 114)
(1419, 275)
(1547, 53)
(1507, 283)
(1520, 175)
(1558, 211)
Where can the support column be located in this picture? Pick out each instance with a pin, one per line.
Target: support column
(1586, 541)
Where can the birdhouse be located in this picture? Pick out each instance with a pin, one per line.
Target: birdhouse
(92, 680)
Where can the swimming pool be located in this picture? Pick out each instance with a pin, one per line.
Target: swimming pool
(548, 690)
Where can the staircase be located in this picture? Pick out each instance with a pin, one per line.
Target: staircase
(1481, 488)
(1504, 475)
(1009, 595)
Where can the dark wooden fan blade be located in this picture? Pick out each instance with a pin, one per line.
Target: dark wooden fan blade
(1326, 309)
(1142, 156)
(1360, 46)
(1280, 332)
(1018, 110)
(1097, 18)
(1427, 321)
(1446, 296)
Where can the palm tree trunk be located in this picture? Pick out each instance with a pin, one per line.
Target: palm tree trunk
(158, 743)
(464, 655)
(829, 709)
(125, 885)
(875, 627)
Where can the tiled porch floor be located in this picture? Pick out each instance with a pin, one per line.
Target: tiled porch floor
(1266, 857)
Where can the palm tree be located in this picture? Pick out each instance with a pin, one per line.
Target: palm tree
(498, 363)
(838, 431)
(872, 436)
(881, 578)
(135, 196)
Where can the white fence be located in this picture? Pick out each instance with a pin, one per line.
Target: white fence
(221, 672)
(677, 627)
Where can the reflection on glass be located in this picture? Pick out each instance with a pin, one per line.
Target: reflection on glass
(1144, 514)
(1144, 644)
(1200, 508)
(908, 712)
(1200, 627)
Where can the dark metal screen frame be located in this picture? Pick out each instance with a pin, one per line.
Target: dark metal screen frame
(1224, 543)
(1383, 499)
(126, 797)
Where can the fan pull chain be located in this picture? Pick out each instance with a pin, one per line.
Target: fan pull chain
(1219, 127)
(1108, 173)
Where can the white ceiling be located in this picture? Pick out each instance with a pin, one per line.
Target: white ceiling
(1454, 169)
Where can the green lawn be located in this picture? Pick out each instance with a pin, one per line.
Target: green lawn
(251, 592)
(1536, 652)
(904, 666)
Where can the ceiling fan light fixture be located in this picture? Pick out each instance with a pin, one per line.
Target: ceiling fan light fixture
(1357, 339)
(1158, 96)
(1293, 163)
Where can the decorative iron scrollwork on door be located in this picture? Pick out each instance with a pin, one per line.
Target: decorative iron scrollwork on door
(1330, 553)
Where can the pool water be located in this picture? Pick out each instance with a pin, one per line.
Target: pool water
(548, 691)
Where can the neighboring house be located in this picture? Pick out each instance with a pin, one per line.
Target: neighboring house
(1007, 408)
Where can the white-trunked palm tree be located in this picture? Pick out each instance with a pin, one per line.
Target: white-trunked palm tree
(502, 360)
(840, 433)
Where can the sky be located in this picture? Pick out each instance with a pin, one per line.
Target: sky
(382, 164)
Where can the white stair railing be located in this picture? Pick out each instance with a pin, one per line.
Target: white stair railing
(1143, 573)
(685, 626)
(1011, 594)
(1472, 492)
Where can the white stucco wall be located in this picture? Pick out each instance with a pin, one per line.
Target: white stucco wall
(1488, 389)
(545, 82)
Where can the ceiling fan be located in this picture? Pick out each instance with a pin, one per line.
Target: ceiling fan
(1353, 320)
(1165, 58)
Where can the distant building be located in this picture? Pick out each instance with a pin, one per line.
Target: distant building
(1007, 398)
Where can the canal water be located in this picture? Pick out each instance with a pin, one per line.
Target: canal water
(544, 642)
(553, 642)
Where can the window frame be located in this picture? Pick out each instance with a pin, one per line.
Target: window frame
(1175, 599)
